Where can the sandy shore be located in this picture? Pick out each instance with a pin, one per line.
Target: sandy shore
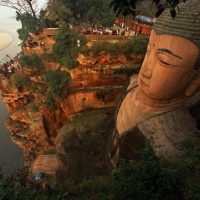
(8, 45)
(5, 40)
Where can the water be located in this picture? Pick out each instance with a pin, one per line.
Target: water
(11, 156)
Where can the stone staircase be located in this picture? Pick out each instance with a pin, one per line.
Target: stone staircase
(12, 98)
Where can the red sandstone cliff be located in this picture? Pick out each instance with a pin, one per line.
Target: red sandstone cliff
(96, 83)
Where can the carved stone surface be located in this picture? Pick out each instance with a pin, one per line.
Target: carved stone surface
(157, 108)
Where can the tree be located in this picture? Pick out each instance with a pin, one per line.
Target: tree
(127, 7)
(67, 46)
(29, 25)
(73, 5)
(148, 178)
(147, 8)
(27, 13)
(124, 7)
(56, 12)
(57, 81)
(33, 62)
(96, 12)
(99, 13)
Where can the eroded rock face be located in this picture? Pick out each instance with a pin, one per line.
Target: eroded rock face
(34, 126)
(82, 144)
(97, 83)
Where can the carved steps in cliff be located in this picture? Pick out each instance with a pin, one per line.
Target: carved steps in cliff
(24, 134)
(12, 98)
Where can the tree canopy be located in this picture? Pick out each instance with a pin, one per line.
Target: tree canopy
(67, 46)
(128, 7)
(57, 82)
(95, 12)
(148, 178)
(27, 13)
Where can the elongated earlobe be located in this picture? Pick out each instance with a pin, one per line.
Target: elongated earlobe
(193, 86)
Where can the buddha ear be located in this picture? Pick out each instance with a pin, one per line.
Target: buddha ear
(193, 86)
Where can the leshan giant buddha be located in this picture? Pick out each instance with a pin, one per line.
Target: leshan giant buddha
(156, 108)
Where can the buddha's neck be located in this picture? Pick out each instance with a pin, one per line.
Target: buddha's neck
(152, 105)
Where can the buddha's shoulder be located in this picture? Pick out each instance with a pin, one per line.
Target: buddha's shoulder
(133, 82)
(193, 100)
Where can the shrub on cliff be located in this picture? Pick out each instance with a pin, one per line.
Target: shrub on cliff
(57, 82)
(20, 82)
(135, 45)
(148, 178)
(33, 62)
(67, 45)
(132, 46)
(50, 101)
(48, 57)
(98, 47)
(113, 48)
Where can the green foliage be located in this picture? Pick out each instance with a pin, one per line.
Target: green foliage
(135, 45)
(127, 7)
(21, 81)
(115, 48)
(41, 38)
(66, 14)
(57, 82)
(107, 47)
(50, 101)
(97, 188)
(49, 57)
(42, 91)
(148, 178)
(129, 71)
(85, 50)
(19, 186)
(99, 13)
(98, 47)
(95, 12)
(33, 62)
(30, 24)
(66, 49)
(192, 166)
(34, 107)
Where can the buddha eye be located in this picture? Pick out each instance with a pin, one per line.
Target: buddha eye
(164, 62)
(165, 59)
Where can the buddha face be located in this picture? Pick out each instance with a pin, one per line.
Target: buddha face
(167, 69)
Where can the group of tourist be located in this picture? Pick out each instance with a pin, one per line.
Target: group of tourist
(103, 31)
(9, 67)
(30, 43)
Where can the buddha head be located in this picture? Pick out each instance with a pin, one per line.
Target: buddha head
(171, 65)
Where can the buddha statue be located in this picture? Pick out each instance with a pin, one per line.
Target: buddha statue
(156, 106)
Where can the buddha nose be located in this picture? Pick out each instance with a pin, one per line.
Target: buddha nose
(147, 73)
(148, 66)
